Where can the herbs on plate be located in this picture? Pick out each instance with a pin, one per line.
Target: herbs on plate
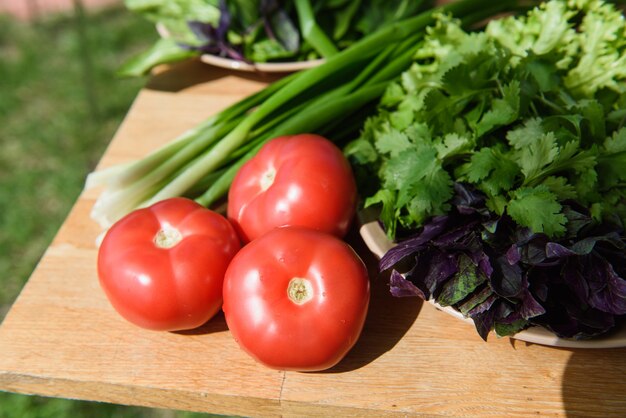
(505, 277)
(261, 31)
(529, 115)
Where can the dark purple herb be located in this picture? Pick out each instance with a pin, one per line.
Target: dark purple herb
(214, 40)
(507, 278)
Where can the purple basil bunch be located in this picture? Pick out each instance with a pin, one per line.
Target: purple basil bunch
(507, 278)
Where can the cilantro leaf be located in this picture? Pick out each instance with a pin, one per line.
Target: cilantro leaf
(538, 209)
(420, 181)
(522, 136)
(560, 187)
(503, 111)
(387, 200)
(491, 170)
(452, 144)
(392, 142)
(537, 154)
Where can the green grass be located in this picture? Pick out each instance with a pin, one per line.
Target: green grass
(60, 104)
(50, 135)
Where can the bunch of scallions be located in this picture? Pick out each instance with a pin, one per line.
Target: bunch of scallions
(332, 99)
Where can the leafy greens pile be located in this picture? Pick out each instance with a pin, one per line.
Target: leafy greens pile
(505, 150)
(261, 30)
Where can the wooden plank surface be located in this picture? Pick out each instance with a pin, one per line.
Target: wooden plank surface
(62, 338)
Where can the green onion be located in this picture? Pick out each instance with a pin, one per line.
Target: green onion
(311, 30)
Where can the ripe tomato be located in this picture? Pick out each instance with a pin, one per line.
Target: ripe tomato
(162, 267)
(300, 180)
(296, 299)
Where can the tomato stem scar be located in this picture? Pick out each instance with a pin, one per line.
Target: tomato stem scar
(167, 237)
(267, 178)
(299, 290)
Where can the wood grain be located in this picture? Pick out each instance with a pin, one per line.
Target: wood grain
(62, 338)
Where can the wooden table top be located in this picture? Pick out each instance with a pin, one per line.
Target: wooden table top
(62, 338)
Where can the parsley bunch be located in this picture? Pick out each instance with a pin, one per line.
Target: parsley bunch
(530, 112)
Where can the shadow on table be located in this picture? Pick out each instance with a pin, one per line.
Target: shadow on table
(388, 318)
(189, 73)
(594, 383)
(213, 325)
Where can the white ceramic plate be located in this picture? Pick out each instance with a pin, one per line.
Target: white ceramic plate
(231, 64)
(378, 243)
(267, 67)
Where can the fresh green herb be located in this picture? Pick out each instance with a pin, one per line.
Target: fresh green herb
(531, 112)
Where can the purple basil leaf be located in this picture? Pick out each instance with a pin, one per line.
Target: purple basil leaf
(477, 299)
(483, 306)
(586, 245)
(461, 238)
(566, 327)
(465, 200)
(534, 251)
(484, 322)
(507, 279)
(511, 317)
(481, 259)
(464, 282)
(573, 277)
(539, 283)
(513, 255)
(279, 26)
(577, 219)
(570, 319)
(214, 40)
(510, 328)
(556, 250)
(224, 23)
(204, 32)
(414, 244)
(529, 307)
(524, 236)
(591, 320)
(401, 287)
(503, 309)
(418, 271)
(607, 291)
(441, 267)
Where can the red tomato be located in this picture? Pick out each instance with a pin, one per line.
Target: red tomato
(296, 299)
(300, 180)
(163, 267)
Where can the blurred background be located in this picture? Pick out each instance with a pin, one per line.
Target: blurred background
(60, 105)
